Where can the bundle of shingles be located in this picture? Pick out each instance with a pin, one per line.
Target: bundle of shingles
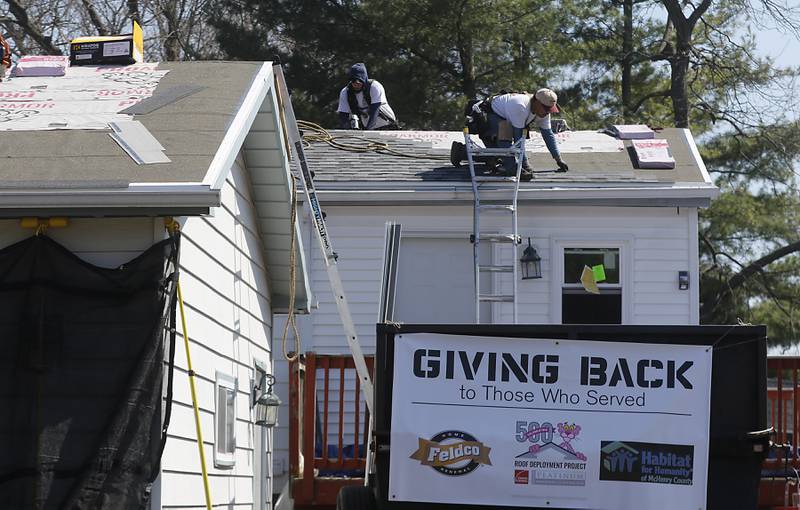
(649, 151)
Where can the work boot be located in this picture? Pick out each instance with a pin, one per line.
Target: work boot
(527, 172)
(458, 153)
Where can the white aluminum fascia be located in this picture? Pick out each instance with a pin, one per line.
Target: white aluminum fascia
(135, 196)
(464, 192)
(237, 131)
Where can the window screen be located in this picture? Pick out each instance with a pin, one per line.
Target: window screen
(225, 421)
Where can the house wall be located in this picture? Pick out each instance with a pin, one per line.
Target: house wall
(229, 319)
(229, 316)
(656, 243)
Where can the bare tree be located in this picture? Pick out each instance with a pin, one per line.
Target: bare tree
(173, 29)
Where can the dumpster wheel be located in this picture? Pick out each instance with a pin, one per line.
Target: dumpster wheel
(356, 497)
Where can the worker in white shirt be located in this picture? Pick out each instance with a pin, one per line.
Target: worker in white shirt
(518, 111)
(363, 104)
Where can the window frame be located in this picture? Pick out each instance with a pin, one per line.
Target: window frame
(224, 459)
(625, 286)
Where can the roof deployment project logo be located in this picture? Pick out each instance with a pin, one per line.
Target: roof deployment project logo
(551, 460)
(452, 453)
(628, 461)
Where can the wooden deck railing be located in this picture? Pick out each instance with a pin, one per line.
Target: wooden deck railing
(782, 394)
(334, 417)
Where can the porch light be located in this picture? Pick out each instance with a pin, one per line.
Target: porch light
(265, 403)
(530, 263)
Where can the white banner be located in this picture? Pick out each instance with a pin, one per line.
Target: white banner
(549, 423)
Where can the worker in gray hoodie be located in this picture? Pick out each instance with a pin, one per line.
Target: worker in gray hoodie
(363, 104)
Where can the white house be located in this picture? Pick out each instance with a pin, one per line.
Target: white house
(642, 225)
(227, 182)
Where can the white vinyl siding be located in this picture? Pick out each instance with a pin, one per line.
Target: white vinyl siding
(229, 319)
(658, 239)
(105, 242)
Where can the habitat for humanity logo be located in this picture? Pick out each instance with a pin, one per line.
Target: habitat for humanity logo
(630, 461)
(551, 460)
(452, 452)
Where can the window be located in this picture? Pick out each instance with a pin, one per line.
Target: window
(225, 421)
(581, 307)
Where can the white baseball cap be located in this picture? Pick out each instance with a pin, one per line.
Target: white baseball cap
(548, 98)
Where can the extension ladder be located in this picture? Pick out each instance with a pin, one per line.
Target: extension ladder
(511, 239)
(295, 139)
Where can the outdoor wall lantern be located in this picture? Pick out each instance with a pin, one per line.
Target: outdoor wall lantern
(530, 263)
(264, 402)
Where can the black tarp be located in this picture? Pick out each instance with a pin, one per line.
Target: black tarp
(82, 375)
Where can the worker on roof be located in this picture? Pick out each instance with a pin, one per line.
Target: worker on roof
(507, 116)
(363, 104)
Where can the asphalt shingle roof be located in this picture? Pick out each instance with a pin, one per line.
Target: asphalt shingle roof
(426, 159)
(190, 129)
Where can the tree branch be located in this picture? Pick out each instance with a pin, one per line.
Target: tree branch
(21, 15)
(94, 17)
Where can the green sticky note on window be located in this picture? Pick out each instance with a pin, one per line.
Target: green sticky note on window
(599, 273)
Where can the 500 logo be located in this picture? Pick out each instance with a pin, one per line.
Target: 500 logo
(551, 458)
(452, 453)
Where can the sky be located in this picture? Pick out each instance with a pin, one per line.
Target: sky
(783, 47)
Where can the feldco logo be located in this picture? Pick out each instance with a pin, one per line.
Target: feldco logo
(631, 461)
(452, 453)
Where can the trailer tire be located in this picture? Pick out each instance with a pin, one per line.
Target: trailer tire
(356, 497)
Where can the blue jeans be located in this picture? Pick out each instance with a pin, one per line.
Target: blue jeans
(491, 141)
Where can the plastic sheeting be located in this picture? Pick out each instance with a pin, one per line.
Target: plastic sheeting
(83, 378)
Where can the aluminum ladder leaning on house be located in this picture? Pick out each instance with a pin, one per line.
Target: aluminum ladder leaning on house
(508, 186)
(330, 257)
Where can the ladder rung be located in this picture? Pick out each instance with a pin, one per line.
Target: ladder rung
(497, 298)
(497, 207)
(511, 151)
(500, 238)
(495, 178)
(497, 269)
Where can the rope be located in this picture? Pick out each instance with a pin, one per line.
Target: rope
(314, 133)
(292, 284)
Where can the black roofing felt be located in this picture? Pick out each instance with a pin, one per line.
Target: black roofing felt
(421, 163)
(190, 129)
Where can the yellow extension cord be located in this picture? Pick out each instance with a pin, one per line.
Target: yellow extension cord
(172, 227)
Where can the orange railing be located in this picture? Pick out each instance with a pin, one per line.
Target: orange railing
(328, 426)
(782, 393)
